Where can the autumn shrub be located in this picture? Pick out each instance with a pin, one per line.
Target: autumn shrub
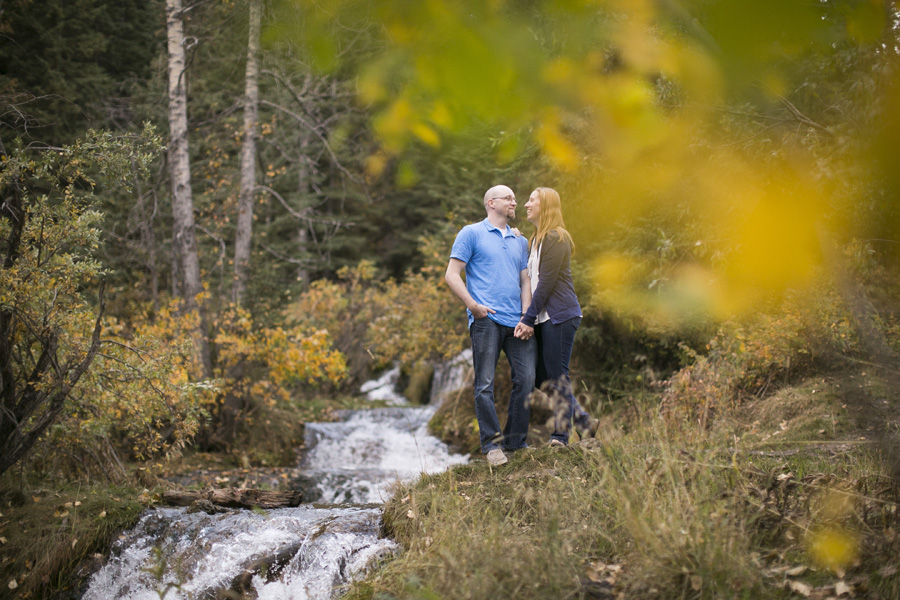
(142, 398)
(77, 388)
(377, 323)
(273, 365)
(342, 307)
(140, 390)
(418, 318)
(798, 335)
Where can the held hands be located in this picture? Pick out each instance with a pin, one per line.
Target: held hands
(480, 311)
(523, 331)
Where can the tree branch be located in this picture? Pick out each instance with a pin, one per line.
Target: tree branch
(318, 134)
(803, 118)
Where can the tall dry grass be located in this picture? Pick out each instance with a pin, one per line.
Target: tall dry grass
(667, 511)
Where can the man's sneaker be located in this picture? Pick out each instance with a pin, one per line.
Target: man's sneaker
(496, 457)
(554, 443)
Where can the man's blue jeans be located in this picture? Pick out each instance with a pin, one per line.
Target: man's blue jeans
(555, 349)
(488, 339)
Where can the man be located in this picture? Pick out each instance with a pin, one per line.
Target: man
(496, 293)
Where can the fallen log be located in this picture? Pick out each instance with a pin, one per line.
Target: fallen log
(234, 498)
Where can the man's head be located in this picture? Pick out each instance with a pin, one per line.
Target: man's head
(501, 201)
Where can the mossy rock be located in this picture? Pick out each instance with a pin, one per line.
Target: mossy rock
(419, 385)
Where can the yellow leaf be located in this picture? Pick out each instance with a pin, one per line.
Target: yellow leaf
(833, 547)
(555, 145)
(426, 134)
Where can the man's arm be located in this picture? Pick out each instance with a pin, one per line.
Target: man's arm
(453, 277)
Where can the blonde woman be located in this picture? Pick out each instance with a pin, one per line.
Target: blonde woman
(554, 314)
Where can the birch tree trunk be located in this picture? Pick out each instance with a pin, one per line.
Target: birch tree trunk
(242, 237)
(180, 175)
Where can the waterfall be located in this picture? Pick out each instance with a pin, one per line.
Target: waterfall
(290, 553)
(303, 553)
(359, 457)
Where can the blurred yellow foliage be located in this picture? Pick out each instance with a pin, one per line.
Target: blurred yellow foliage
(833, 547)
(747, 127)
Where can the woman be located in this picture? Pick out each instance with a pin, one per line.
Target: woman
(554, 313)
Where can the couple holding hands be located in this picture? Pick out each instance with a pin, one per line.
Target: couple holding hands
(520, 299)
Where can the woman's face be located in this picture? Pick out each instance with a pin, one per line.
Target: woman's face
(533, 208)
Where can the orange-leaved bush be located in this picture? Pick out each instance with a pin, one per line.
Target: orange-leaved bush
(273, 364)
(376, 323)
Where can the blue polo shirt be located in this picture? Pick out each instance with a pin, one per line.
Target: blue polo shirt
(494, 258)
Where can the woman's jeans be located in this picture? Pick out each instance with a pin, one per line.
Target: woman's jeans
(488, 338)
(554, 351)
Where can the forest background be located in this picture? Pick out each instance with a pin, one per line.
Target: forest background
(218, 219)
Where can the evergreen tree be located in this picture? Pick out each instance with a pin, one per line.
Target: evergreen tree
(68, 66)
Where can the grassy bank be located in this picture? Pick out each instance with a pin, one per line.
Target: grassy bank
(787, 496)
(52, 535)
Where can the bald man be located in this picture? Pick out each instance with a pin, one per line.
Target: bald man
(496, 293)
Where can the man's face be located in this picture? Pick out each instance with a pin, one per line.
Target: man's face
(506, 204)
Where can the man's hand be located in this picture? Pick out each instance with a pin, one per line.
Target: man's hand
(480, 311)
(523, 331)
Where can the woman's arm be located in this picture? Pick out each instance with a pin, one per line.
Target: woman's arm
(552, 256)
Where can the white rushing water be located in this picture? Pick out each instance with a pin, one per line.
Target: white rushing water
(304, 553)
(285, 554)
(359, 458)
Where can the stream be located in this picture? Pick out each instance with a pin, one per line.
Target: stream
(307, 552)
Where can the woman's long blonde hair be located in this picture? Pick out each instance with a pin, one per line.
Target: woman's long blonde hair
(550, 218)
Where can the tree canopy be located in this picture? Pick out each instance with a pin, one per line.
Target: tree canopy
(714, 158)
